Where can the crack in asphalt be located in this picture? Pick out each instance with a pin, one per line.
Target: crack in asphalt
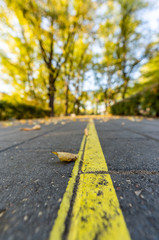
(30, 139)
(137, 172)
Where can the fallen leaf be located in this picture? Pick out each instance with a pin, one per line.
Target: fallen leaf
(2, 212)
(22, 121)
(25, 129)
(6, 228)
(47, 123)
(40, 214)
(142, 196)
(42, 121)
(138, 192)
(7, 124)
(128, 181)
(36, 127)
(66, 157)
(86, 132)
(25, 218)
(30, 121)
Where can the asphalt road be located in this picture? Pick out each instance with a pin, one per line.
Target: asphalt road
(131, 149)
(33, 181)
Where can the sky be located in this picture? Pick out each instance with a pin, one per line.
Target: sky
(151, 18)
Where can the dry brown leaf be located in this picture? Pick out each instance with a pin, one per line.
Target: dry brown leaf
(66, 157)
(25, 129)
(30, 121)
(36, 127)
(7, 124)
(2, 212)
(47, 123)
(22, 121)
(138, 192)
(42, 121)
(86, 132)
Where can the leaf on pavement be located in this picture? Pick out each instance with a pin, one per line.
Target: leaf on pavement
(86, 132)
(2, 212)
(66, 157)
(138, 192)
(7, 124)
(36, 127)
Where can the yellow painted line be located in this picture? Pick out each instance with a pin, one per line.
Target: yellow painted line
(94, 158)
(96, 213)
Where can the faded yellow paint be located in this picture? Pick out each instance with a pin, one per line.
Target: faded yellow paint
(96, 213)
(93, 158)
(59, 225)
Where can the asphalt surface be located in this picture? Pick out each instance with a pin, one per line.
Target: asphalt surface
(33, 181)
(131, 150)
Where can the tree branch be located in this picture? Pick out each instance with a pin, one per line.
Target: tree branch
(43, 53)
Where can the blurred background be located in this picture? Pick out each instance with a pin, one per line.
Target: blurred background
(63, 57)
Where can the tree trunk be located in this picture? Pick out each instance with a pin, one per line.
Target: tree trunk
(66, 99)
(96, 113)
(51, 94)
(123, 94)
(51, 104)
(105, 99)
(77, 101)
(78, 106)
(126, 80)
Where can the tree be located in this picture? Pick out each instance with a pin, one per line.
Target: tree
(150, 71)
(21, 64)
(124, 45)
(82, 59)
(107, 68)
(129, 40)
(54, 31)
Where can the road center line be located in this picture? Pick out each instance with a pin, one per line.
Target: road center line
(95, 213)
